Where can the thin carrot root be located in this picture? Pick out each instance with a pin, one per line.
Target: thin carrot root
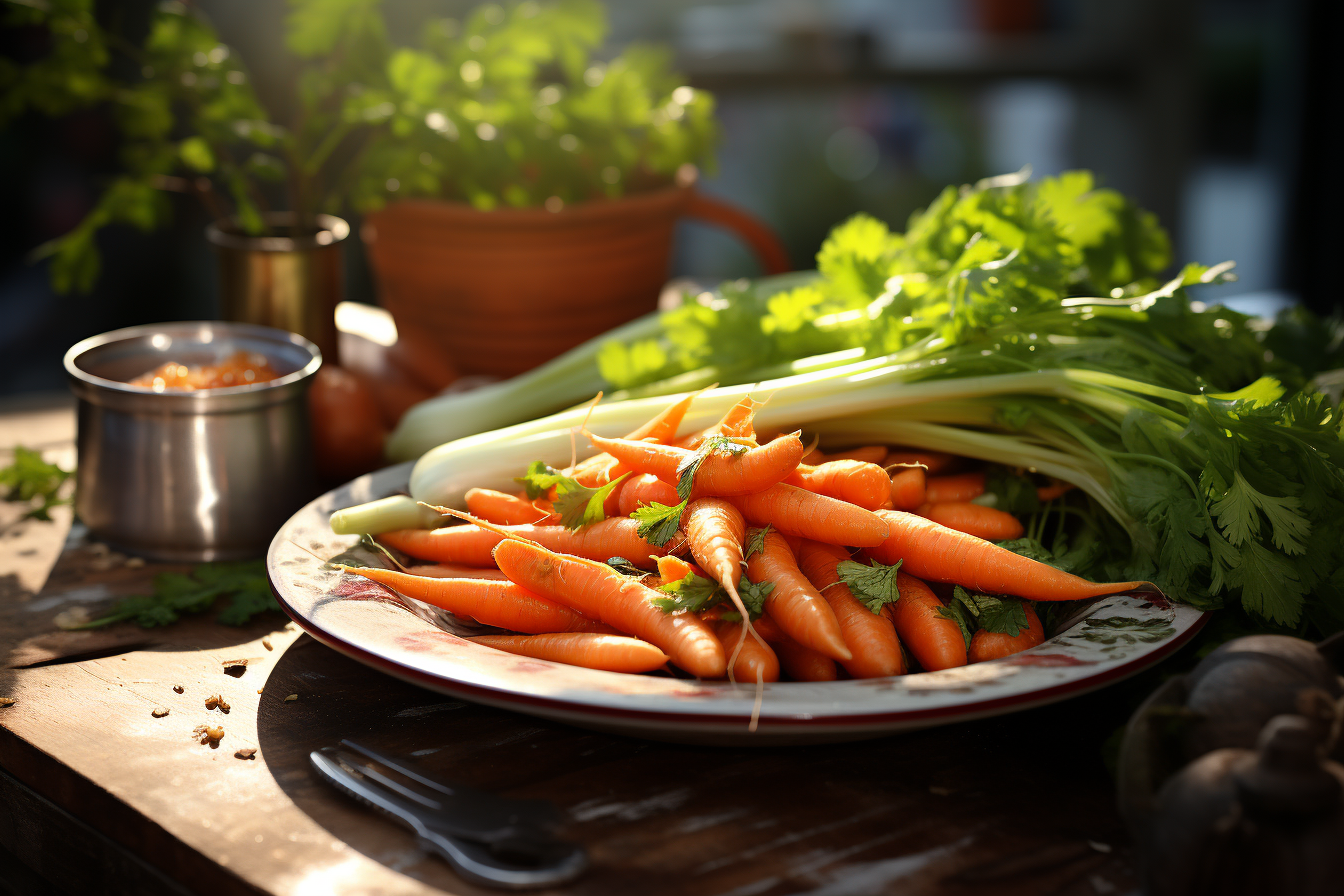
(974, 519)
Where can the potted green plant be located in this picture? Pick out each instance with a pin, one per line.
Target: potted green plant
(520, 194)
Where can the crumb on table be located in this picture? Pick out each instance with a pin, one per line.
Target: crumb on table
(216, 701)
(159, 712)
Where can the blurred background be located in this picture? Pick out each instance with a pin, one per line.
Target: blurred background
(1215, 114)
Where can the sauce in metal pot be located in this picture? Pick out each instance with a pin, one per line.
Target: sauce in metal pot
(240, 369)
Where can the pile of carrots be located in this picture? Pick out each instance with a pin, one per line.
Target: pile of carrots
(732, 557)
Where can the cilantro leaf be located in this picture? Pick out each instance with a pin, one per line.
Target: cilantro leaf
(177, 593)
(29, 478)
(958, 613)
(580, 505)
(539, 479)
(755, 541)
(874, 585)
(1000, 615)
(753, 596)
(658, 522)
(691, 593)
(690, 465)
(626, 568)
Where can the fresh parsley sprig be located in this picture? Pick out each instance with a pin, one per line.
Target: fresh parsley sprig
(658, 522)
(873, 585)
(755, 541)
(690, 465)
(31, 480)
(972, 610)
(579, 505)
(175, 594)
(695, 594)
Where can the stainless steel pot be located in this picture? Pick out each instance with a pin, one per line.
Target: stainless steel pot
(186, 476)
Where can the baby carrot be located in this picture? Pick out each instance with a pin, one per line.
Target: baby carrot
(974, 519)
(663, 428)
(508, 510)
(714, 532)
(753, 657)
(455, 571)
(994, 645)
(798, 662)
(615, 537)
(935, 552)
(961, 487)
(872, 454)
(1052, 491)
(737, 423)
(751, 471)
(857, 482)
(934, 462)
(600, 592)
(611, 653)
(907, 488)
(646, 488)
(801, 612)
(503, 604)
(934, 640)
(797, 511)
(870, 636)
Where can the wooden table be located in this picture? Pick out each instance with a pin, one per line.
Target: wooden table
(97, 795)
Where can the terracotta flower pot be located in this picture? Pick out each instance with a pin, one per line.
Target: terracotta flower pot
(502, 291)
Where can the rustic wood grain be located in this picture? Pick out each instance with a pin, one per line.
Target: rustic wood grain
(1018, 805)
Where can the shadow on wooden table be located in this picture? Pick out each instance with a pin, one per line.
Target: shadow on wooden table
(1014, 805)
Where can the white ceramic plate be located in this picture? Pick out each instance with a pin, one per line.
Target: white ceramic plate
(1111, 639)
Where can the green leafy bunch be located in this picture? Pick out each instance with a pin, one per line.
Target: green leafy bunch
(188, 117)
(245, 584)
(509, 107)
(30, 480)
(989, 277)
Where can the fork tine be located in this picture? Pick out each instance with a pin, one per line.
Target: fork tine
(406, 769)
(376, 777)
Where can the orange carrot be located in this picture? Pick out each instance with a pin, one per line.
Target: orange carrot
(857, 482)
(934, 462)
(753, 657)
(935, 552)
(961, 487)
(737, 423)
(611, 653)
(455, 571)
(799, 662)
(663, 428)
(907, 488)
(615, 537)
(991, 645)
(503, 604)
(714, 532)
(804, 614)
(508, 510)
(643, 489)
(755, 469)
(974, 519)
(797, 511)
(934, 640)
(674, 569)
(600, 592)
(870, 636)
(872, 454)
(1052, 491)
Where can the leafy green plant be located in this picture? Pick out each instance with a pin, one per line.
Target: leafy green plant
(30, 480)
(509, 107)
(175, 593)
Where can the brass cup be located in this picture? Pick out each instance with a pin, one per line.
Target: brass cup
(290, 282)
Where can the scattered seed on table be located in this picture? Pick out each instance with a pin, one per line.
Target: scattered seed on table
(266, 642)
(216, 701)
(291, 698)
(177, 689)
(211, 734)
(236, 668)
(246, 753)
(159, 712)
(7, 701)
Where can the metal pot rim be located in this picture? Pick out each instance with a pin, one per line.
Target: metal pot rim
(108, 392)
(330, 231)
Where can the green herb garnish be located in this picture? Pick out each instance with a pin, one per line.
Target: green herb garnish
(31, 480)
(874, 586)
(658, 522)
(579, 505)
(687, 469)
(175, 593)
